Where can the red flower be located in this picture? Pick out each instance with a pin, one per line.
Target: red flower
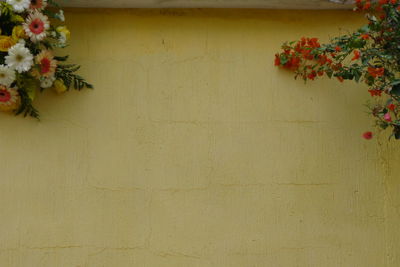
(298, 48)
(392, 107)
(359, 4)
(338, 49)
(322, 59)
(313, 42)
(376, 72)
(320, 73)
(383, 2)
(365, 36)
(312, 75)
(337, 66)
(375, 92)
(340, 78)
(367, 5)
(37, 26)
(306, 53)
(277, 60)
(45, 66)
(357, 55)
(5, 95)
(295, 62)
(368, 135)
(393, 2)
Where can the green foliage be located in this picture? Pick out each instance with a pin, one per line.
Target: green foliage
(370, 55)
(67, 74)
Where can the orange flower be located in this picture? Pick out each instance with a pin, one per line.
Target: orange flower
(365, 36)
(393, 2)
(376, 72)
(46, 64)
(367, 5)
(357, 55)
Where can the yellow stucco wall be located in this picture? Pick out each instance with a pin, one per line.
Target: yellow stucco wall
(195, 151)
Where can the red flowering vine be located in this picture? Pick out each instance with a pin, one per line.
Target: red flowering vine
(370, 55)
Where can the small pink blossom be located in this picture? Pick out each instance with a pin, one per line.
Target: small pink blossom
(368, 135)
(387, 117)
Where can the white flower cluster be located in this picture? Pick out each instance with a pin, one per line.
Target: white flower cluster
(19, 5)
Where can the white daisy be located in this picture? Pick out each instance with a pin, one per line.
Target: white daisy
(47, 82)
(36, 26)
(19, 58)
(19, 5)
(7, 75)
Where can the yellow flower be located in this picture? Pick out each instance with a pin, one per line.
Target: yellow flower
(6, 42)
(18, 33)
(63, 30)
(59, 86)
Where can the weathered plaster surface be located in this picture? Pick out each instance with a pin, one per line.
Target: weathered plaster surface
(195, 151)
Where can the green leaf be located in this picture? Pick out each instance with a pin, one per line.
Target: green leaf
(284, 59)
(395, 90)
(357, 43)
(395, 82)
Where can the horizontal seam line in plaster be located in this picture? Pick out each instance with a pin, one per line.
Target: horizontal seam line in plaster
(209, 187)
(238, 122)
(163, 254)
(310, 184)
